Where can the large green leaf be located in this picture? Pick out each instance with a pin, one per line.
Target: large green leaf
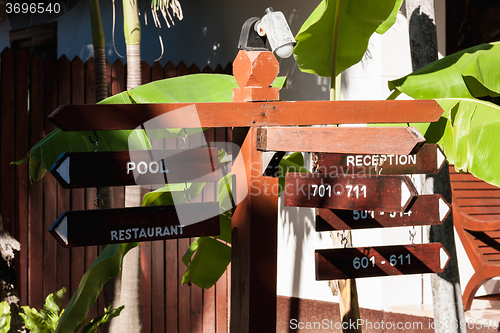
(469, 132)
(338, 32)
(469, 73)
(4, 317)
(107, 265)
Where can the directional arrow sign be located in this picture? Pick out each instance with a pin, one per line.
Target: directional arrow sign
(428, 160)
(145, 167)
(426, 210)
(357, 140)
(136, 224)
(381, 193)
(349, 263)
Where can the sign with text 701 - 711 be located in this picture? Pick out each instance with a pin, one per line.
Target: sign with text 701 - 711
(381, 193)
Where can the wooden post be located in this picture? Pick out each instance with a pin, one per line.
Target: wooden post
(255, 220)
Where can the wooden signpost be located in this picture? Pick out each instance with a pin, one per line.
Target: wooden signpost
(428, 160)
(347, 263)
(136, 224)
(383, 193)
(254, 222)
(426, 210)
(147, 167)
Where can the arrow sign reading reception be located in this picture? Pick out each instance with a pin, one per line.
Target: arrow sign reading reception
(429, 209)
(145, 167)
(381, 193)
(136, 224)
(428, 160)
(348, 263)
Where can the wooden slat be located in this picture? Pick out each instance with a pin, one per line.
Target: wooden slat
(219, 69)
(473, 185)
(171, 305)
(117, 77)
(182, 69)
(461, 194)
(145, 72)
(457, 177)
(482, 202)
(63, 196)
(37, 233)
(8, 132)
(494, 210)
(156, 72)
(169, 70)
(145, 287)
(243, 114)
(78, 196)
(49, 101)
(15, 203)
(207, 70)
(193, 69)
(157, 287)
(184, 290)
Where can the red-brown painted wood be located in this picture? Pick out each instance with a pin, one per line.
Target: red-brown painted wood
(146, 286)
(36, 233)
(382, 193)
(135, 224)
(184, 290)
(243, 114)
(98, 169)
(334, 264)
(352, 140)
(426, 210)
(428, 160)
(49, 101)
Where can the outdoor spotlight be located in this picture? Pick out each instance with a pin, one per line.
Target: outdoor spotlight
(273, 25)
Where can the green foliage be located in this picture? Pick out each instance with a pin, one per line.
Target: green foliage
(469, 129)
(46, 320)
(107, 265)
(4, 317)
(336, 34)
(470, 73)
(95, 323)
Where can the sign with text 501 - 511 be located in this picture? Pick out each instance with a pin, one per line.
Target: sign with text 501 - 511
(378, 193)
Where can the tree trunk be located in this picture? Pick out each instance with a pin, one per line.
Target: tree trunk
(446, 291)
(129, 320)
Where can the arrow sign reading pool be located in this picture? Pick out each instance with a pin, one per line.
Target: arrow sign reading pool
(145, 167)
(349, 263)
(428, 160)
(380, 193)
(136, 224)
(426, 210)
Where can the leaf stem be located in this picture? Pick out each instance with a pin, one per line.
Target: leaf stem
(334, 82)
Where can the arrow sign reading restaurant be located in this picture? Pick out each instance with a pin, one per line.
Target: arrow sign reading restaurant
(429, 209)
(145, 167)
(136, 224)
(349, 263)
(428, 160)
(382, 193)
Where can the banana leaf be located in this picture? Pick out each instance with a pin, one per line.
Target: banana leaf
(469, 132)
(107, 265)
(337, 32)
(4, 317)
(472, 72)
(469, 129)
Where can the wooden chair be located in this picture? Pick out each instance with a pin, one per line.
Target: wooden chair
(476, 215)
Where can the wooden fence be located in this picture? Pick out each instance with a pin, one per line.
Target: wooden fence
(31, 88)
